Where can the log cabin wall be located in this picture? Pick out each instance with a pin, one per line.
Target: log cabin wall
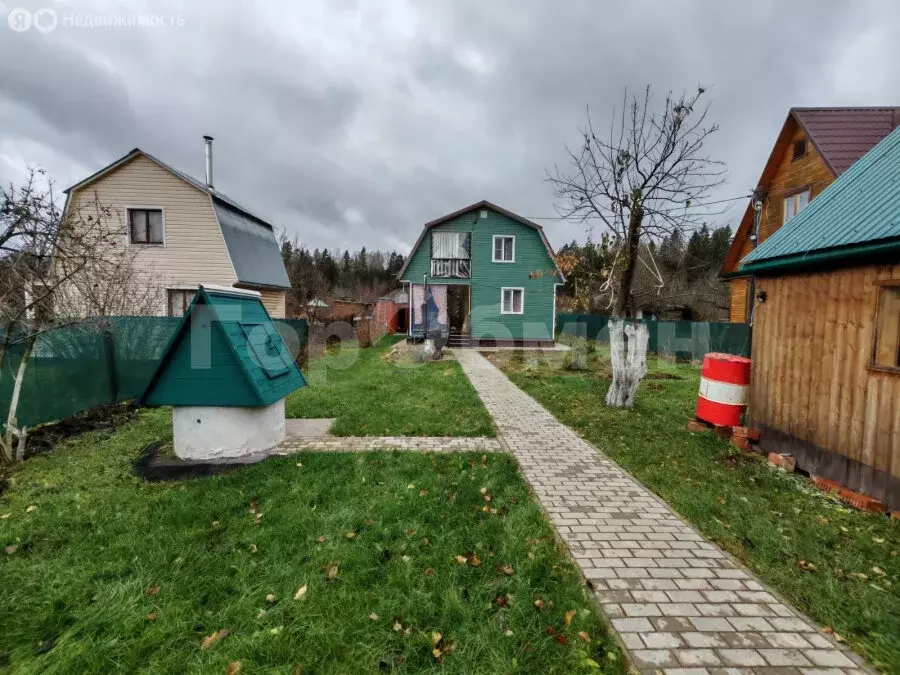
(812, 392)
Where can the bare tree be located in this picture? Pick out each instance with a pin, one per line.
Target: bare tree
(57, 270)
(646, 178)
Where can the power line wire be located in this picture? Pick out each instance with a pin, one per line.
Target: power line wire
(720, 201)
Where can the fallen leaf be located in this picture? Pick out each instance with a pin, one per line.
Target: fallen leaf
(878, 570)
(844, 529)
(822, 520)
(828, 630)
(210, 640)
(720, 500)
(435, 638)
(252, 548)
(234, 668)
(423, 493)
(349, 535)
(300, 592)
(30, 508)
(322, 539)
(331, 572)
(153, 590)
(569, 616)
(860, 576)
(502, 600)
(538, 603)
(397, 626)
(451, 497)
(5, 516)
(584, 636)
(373, 616)
(277, 630)
(299, 465)
(215, 524)
(508, 633)
(505, 569)
(368, 521)
(429, 572)
(878, 540)
(807, 566)
(474, 561)
(260, 614)
(151, 616)
(461, 559)
(11, 549)
(561, 639)
(411, 486)
(271, 598)
(550, 630)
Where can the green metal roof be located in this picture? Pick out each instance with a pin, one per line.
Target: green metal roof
(857, 215)
(225, 352)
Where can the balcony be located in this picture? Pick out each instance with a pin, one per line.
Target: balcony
(451, 268)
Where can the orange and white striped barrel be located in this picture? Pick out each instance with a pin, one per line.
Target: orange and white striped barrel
(724, 387)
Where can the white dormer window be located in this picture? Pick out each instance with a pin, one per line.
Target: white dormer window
(504, 248)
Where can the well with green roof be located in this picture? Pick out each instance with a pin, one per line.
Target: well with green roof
(225, 372)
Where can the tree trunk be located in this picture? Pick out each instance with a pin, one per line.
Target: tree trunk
(13, 437)
(628, 342)
(623, 295)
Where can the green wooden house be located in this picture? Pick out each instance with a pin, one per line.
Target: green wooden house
(226, 372)
(484, 276)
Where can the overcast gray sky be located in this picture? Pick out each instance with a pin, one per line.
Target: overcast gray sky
(352, 122)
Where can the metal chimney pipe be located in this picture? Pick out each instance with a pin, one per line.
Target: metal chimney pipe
(209, 161)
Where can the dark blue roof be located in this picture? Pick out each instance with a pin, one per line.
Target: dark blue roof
(252, 246)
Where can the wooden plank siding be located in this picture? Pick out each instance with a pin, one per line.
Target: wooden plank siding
(739, 290)
(812, 391)
(532, 271)
(194, 251)
(789, 177)
(274, 302)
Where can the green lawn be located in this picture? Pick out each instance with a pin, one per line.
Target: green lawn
(840, 566)
(372, 394)
(106, 573)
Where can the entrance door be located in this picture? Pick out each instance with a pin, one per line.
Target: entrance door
(458, 309)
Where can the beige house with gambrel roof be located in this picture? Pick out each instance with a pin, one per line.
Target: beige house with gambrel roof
(188, 232)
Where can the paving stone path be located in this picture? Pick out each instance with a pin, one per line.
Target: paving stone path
(677, 602)
(414, 443)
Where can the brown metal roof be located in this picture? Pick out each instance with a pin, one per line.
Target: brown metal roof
(843, 135)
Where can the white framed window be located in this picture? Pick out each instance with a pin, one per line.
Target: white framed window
(794, 204)
(512, 300)
(146, 225)
(504, 248)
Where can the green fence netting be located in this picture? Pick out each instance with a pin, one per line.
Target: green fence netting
(80, 367)
(681, 339)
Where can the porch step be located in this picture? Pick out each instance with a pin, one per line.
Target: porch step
(458, 340)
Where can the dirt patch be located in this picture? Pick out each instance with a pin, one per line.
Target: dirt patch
(46, 437)
(156, 463)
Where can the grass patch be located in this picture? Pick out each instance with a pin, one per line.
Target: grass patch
(373, 395)
(113, 574)
(777, 524)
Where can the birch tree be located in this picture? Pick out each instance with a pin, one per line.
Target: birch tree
(58, 270)
(645, 178)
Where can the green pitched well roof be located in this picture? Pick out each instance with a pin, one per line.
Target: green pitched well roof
(246, 362)
(856, 216)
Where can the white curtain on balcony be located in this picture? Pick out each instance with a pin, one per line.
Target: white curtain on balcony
(450, 245)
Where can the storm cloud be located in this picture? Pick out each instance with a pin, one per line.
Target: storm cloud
(351, 123)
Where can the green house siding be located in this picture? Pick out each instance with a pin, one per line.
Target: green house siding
(533, 271)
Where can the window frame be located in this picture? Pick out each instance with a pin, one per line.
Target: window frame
(794, 194)
(494, 239)
(512, 302)
(144, 207)
(170, 291)
(879, 287)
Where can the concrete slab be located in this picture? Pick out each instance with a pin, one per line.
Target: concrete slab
(307, 428)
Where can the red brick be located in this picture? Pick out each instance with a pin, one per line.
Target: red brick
(845, 494)
(786, 462)
(723, 432)
(895, 515)
(742, 443)
(747, 432)
(697, 425)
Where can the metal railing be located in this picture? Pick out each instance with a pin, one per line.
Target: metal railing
(451, 268)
